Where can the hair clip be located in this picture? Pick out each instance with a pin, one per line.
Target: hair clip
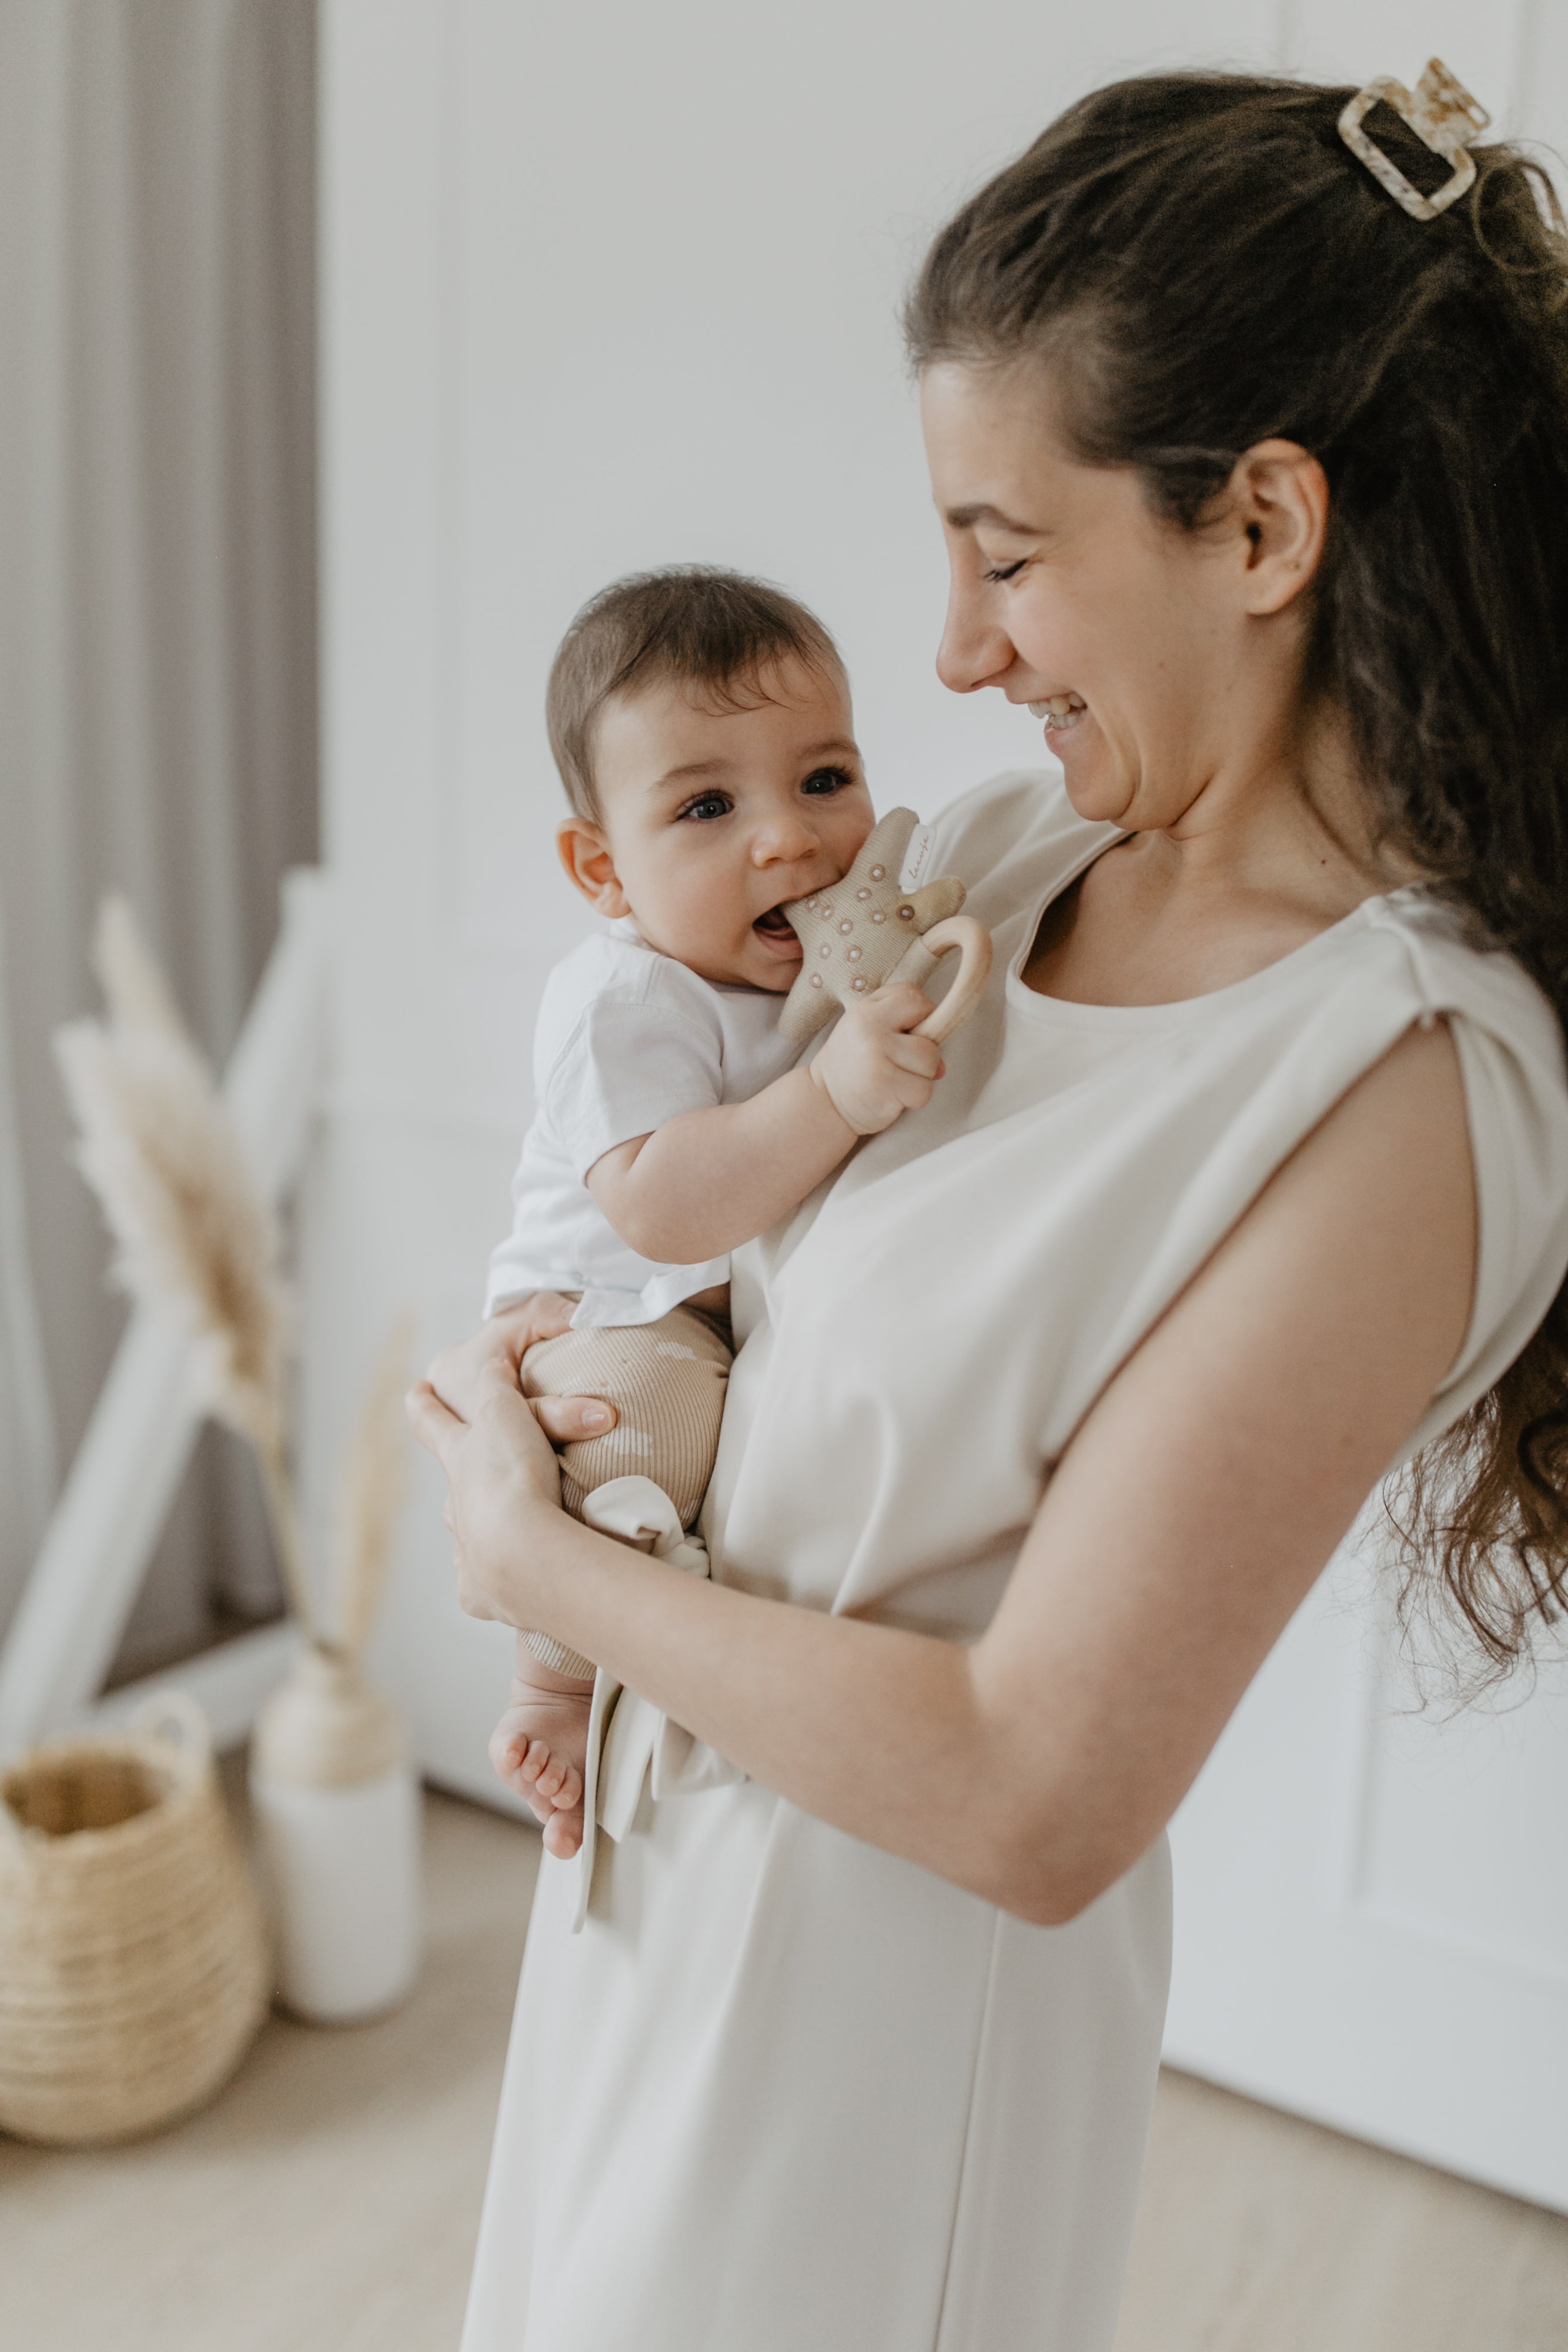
(1442, 114)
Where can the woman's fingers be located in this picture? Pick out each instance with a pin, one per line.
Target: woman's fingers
(543, 1314)
(455, 1373)
(462, 1376)
(450, 1372)
(564, 1420)
(511, 1419)
(567, 1420)
(437, 1427)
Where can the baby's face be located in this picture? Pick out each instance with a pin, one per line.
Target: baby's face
(713, 819)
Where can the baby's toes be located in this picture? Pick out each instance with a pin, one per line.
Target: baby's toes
(551, 1778)
(563, 1833)
(507, 1752)
(533, 1763)
(568, 1796)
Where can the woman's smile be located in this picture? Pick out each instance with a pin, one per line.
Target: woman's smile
(1061, 712)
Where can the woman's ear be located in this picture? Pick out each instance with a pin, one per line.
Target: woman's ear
(585, 853)
(1280, 501)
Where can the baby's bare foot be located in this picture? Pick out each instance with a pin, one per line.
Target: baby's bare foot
(539, 1749)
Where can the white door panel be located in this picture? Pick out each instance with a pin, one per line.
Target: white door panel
(1372, 1904)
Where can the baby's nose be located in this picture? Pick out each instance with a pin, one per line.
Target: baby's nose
(783, 842)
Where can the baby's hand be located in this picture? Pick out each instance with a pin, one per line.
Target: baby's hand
(871, 1069)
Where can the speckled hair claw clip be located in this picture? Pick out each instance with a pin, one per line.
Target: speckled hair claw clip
(1442, 114)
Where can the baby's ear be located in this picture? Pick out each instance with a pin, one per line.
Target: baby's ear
(585, 853)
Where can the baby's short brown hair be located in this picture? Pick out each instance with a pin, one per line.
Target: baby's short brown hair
(693, 623)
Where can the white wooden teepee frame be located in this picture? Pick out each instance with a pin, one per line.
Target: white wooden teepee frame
(131, 1460)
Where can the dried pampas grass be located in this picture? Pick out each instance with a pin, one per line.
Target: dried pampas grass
(193, 1235)
(370, 1496)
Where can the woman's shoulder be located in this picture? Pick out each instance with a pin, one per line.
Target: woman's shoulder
(1008, 839)
(1454, 976)
(1514, 1072)
(1405, 961)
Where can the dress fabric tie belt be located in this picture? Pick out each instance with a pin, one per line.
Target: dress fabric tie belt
(630, 1740)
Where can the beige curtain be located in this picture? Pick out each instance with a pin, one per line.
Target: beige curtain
(157, 623)
(28, 1450)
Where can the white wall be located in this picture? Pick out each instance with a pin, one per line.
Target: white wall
(612, 287)
(618, 286)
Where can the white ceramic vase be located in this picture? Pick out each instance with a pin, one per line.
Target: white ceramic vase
(337, 1809)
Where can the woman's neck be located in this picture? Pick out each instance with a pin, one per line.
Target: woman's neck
(1256, 866)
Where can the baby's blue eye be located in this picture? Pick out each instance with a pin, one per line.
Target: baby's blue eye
(706, 806)
(827, 779)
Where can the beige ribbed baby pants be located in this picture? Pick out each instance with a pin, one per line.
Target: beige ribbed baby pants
(667, 1382)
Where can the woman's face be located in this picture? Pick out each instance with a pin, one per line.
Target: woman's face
(1160, 661)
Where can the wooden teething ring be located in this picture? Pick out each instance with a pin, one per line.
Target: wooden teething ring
(972, 942)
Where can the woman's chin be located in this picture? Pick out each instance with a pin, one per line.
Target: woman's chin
(1099, 793)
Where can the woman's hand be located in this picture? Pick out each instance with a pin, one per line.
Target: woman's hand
(501, 1477)
(494, 1446)
(459, 1375)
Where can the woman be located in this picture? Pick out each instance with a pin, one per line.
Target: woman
(1248, 1182)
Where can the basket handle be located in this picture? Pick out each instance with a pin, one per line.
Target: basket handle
(173, 1716)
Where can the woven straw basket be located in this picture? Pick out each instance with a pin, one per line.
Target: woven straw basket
(133, 1965)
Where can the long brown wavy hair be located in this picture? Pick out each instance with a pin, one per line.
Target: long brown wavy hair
(1203, 265)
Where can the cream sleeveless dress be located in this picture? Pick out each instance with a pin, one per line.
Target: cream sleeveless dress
(785, 2093)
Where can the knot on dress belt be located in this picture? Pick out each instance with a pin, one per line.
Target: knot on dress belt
(629, 1738)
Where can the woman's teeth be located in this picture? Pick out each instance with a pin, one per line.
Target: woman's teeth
(1059, 710)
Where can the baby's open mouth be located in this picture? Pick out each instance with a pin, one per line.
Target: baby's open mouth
(776, 924)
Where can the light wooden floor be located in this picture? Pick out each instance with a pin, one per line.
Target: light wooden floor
(328, 2201)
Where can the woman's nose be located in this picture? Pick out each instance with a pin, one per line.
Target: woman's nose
(975, 650)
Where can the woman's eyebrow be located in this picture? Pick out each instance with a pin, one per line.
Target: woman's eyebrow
(966, 517)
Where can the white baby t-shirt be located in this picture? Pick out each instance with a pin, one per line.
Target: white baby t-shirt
(627, 1038)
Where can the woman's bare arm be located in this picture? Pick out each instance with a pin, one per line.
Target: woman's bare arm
(1186, 1521)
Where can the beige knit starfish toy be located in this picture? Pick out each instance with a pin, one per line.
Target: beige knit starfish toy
(868, 930)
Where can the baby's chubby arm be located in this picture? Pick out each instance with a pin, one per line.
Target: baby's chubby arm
(708, 1179)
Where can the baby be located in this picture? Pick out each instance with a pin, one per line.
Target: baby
(701, 724)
